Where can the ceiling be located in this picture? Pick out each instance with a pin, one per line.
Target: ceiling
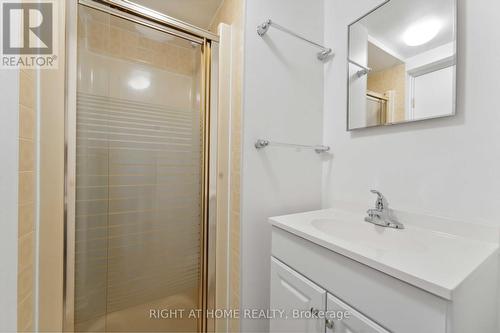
(378, 59)
(388, 23)
(195, 12)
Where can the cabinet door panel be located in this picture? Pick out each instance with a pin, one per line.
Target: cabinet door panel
(354, 323)
(292, 292)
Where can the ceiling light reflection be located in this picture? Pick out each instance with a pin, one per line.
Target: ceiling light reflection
(139, 81)
(421, 32)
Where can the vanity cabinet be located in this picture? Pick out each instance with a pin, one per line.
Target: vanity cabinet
(312, 278)
(290, 292)
(356, 322)
(309, 308)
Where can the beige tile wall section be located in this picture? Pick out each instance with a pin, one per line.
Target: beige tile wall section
(116, 40)
(50, 247)
(231, 12)
(26, 231)
(393, 78)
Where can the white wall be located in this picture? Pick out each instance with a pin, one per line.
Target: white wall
(447, 167)
(283, 100)
(425, 58)
(9, 171)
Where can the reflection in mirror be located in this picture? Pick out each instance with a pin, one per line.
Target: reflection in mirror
(401, 63)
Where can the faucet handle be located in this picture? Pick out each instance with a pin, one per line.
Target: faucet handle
(381, 202)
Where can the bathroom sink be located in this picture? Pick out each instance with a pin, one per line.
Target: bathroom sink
(431, 258)
(370, 236)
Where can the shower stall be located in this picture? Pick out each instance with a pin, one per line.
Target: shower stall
(139, 155)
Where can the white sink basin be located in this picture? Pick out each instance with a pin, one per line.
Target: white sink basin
(370, 236)
(429, 259)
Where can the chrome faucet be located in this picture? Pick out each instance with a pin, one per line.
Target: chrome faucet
(382, 215)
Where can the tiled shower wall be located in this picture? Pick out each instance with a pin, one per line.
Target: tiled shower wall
(123, 41)
(26, 233)
(391, 79)
(138, 173)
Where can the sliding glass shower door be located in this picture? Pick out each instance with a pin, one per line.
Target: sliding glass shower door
(139, 175)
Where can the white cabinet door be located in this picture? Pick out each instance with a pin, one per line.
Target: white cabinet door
(298, 297)
(353, 322)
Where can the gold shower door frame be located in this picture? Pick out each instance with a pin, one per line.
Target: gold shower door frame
(166, 24)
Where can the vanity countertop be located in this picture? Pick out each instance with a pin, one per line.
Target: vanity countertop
(430, 259)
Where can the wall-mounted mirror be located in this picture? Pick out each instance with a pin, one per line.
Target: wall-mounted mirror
(401, 63)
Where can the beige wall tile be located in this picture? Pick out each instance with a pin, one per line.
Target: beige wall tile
(156, 46)
(114, 47)
(129, 38)
(26, 155)
(26, 243)
(128, 51)
(27, 90)
(26, 249)
(145, 43)
(26, 122)
(25, 283)
(158, 59)
(25, 314)
(26, 219)
(26, 187)
(118, 41)
(144, 55)
(393, 78)
(115, 33)
(51, 225)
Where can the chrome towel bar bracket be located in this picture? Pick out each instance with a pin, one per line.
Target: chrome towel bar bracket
(321, 55)
(262, 143)
(364, 70)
